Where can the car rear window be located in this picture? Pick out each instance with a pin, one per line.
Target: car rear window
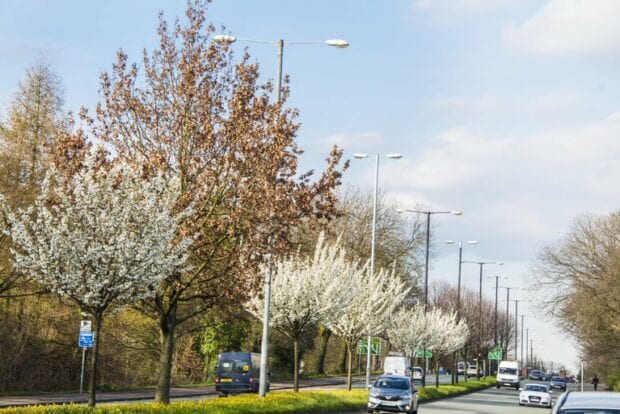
(235, 366)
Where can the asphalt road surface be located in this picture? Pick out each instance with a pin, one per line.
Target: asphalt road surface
(489, 401)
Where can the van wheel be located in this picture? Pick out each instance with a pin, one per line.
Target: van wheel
(497, 386)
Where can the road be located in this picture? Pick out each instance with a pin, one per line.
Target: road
(489, 401)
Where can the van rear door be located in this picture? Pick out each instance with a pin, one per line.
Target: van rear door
(234, 374)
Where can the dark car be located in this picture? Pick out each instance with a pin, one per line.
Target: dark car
(558, 382)
(238, 372)
(588, 402)
(395, 393)
(536, 375)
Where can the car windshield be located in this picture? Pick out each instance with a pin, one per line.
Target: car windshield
(557, 379)
(396, 383)
(508, 371)
(534, 387)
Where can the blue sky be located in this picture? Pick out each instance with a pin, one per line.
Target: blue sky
(505, 109)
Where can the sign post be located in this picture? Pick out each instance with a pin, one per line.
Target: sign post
(85, 341)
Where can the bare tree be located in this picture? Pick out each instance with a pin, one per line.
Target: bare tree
(579, 281)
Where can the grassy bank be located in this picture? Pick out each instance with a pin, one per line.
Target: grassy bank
(276, 402)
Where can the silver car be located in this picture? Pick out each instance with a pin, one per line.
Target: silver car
(393, 393)
(588, 402)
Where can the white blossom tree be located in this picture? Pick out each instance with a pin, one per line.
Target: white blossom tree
(367, 304)
(102, 237)
(447, 335)
(413, 329)
(302, 290)
(408, 330)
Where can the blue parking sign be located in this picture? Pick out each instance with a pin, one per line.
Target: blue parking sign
(87, 339)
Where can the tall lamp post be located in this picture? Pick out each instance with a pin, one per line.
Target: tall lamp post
(481, 264)
(428, 215)
(373, 239)
(523, 360)
(458, 306)
(495, 314)
(227, 40)
(506, 330)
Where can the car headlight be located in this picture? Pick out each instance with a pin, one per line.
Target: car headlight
(375, 394)
(406, 396)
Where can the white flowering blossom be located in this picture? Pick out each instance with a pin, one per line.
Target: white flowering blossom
(413, 329)
(302, 291)
(367, 304)
(105, 235)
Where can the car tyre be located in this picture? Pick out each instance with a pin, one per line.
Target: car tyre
(370, 411)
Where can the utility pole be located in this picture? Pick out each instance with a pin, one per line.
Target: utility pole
(516, 329)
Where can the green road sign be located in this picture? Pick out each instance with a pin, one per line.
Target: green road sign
(375, 346)
(420, 353)
(495, 353)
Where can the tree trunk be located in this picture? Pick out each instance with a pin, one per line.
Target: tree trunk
(167, 326)
(296, 364)
(92, 382)
(436, 371)
(349, 367)
(324, 335)
(342, 364)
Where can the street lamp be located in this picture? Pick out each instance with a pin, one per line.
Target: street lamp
(523, 360)
(481, 264)
(359, 156)
(458, 304)
(428, 214)
(495, 317)
(506, 330)
(228, 39)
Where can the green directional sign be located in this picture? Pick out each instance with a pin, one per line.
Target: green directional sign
(420, 353)
(375, 346)
(495, 353)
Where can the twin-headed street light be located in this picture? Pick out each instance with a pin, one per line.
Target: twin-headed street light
(455, 377)
(359, 155)
(481, 264)
(226, 40)
(428, 214)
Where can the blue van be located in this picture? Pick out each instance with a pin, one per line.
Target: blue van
(238, 372)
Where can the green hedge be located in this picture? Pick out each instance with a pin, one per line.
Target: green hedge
(275, 402)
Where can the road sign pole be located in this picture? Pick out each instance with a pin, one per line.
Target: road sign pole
(82, 373)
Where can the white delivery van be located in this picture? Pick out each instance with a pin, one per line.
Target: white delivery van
(508, 374)
(397, 365)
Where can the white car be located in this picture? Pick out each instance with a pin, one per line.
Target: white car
(417, 373)
(537, 395)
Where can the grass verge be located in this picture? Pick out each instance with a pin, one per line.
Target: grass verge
(276, 403)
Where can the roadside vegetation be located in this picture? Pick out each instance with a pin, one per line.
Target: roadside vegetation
(276, 402)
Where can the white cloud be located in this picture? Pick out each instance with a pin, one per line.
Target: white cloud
(571, 28)
(449, 10)
(490, 105)
(355, 141)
